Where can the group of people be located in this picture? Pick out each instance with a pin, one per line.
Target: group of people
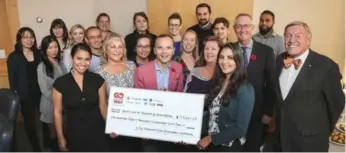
(248, 83)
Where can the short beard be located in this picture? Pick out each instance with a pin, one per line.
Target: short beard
(265, 31)
(203, 23)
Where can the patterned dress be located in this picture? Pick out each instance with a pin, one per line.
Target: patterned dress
(214, 110)
(124, 79)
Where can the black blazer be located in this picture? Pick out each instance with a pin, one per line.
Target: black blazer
(306, 118)
(261, 74)
(131, 40)
(17, 72)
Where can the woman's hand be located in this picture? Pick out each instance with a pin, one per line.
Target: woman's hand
(204, 142)
(113, 135)
(62, 144)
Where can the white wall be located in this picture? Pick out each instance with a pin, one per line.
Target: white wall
(78, 11)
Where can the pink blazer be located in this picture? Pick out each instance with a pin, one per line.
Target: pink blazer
(145, 77)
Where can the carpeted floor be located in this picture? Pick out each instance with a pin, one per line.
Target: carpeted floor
(21, 141)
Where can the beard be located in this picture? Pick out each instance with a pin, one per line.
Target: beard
(203, 22)
(265, 31)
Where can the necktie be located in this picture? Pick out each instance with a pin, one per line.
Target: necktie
(246, 62)
(289, 61)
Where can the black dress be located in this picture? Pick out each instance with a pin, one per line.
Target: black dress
(85, 127)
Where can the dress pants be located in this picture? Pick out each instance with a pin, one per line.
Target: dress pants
(254, 136)
(29, 110)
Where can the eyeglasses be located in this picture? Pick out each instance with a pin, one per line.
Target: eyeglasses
(144, 47)
(174, 25)
(244, 26)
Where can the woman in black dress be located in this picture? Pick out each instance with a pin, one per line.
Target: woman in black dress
(82, 96)
(22, 74)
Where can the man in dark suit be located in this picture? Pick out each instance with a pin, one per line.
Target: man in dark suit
(259, 60)
(310, 97)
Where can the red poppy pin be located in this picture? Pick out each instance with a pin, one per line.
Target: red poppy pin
(253, 57)
(173, 70)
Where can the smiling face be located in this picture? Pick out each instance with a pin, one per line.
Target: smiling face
(28, 40)
(203, 15)
(94, 38)
(243, 28)
(81, 61)
(104, 23)
(297, 40)
(226, 61)
(174, 27)
(164, 49)
(115, 49)
(211, 50)
(78, 35)
(189, 42)
(143, 48)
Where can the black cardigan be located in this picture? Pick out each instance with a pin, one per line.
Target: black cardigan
(17, 72)
(131, 40)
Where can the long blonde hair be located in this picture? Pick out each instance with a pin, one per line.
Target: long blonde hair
(195, 51)
(111, 36)
(71, 42)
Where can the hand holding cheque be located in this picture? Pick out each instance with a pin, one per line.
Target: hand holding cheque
(158, 115)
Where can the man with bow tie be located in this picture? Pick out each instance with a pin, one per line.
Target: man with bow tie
(310, 97)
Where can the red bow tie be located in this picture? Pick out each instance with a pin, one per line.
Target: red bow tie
(289, 61)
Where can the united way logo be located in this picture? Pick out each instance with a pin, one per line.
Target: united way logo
(118, 97)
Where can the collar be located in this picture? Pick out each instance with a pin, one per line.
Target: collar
(249, 46)
(157, 67)
(303, 56)
(207, 26)
(273, 34)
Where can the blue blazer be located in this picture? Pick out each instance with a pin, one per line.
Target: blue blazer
(234, 118)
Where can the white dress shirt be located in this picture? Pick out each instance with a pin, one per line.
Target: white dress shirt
(289, 75)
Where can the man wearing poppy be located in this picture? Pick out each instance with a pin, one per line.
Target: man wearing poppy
(259, 61)
(160, 74)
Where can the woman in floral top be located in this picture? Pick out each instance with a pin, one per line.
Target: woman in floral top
(118, 71)
(230, 103)
(115, 68)
(188, 53)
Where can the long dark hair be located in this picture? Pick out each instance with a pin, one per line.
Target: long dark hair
(46, 41)
(60, 23)
(19, 46)
(236, 79)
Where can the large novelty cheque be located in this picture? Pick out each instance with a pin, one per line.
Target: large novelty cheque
(158, 115)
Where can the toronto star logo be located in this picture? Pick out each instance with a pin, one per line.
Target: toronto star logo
(118, 97)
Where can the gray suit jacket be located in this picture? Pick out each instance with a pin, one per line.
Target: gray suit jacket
(46, 83)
